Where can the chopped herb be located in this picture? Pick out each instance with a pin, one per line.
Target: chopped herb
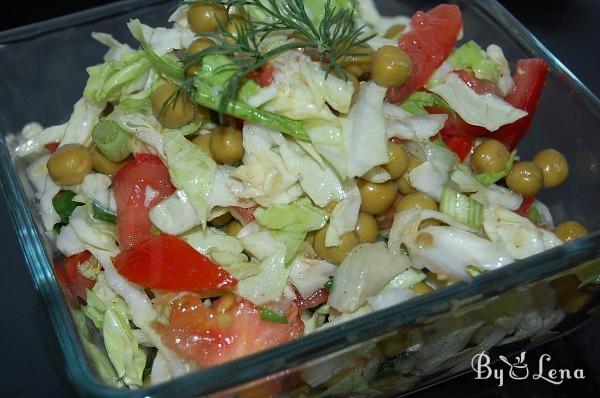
(267, 314)
(64, 205)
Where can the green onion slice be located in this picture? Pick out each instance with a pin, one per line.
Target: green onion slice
(267, 314)
(111, 140)
(64, 205)
(103, 214)
(461, 208)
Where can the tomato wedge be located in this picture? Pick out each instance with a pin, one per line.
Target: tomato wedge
(530, 78)
(74, 282)
(145, 174)
(52, 146)
(263, 76)
(480, 86)
(242, 214)
(428, 44)
(230, 329)
(319, 297)
(525, 207)
(461, 146)
(169, 263)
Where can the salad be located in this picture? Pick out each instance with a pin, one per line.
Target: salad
(263, 169)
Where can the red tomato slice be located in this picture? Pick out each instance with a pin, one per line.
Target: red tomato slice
(530, 78)
(266, 75)
(461, 146)
(455, 126)
(169, 263)
(263, 76)
(428, 44)
(318, 298)
(480, 86)
(228, 330)
(52, 146)
(130, 185)
(243, 215)
(74, 282)
(525, 207)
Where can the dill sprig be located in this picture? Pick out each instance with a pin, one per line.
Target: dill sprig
(331, 41)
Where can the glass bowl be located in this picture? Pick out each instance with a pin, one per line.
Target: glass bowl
(397, 350)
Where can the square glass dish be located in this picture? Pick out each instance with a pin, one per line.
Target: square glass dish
(397, 350)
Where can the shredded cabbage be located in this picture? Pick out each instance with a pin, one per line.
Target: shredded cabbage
(115, 78)
(318, 180)
(264, 169)
(34, 143)
(191, 170)
(485, 110)
(344, 215)
(116, 49)
(364, 273)
(83, 119)
(175, 215)
(519, 236)
(308, 275)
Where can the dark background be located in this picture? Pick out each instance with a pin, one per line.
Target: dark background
(31, 365)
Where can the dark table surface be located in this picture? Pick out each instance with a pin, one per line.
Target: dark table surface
(31, 366)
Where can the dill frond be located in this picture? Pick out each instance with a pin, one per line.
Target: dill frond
(330, 41)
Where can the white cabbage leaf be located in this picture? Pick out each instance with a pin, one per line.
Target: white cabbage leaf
(164, 40)
(309, 274)
(175, 215)
(116, 49)
(343, 141)
(365, 271)
(544, 213)
(68, 243)
(83, 119)
(290, 223)
(407, 279)
(318, 180)
(269, 284)
(377, 175)
(34, 143)
(160, 372)
(344, 215)
(427, 179)
(37, 172)
(122, 347)
(485, 110)
(223, 249)
(191, 170)
(227, 190)
(96, 187)
(365, 151)
(432, 175)
(496, 195)
(401, 124)
(263, 168)
(389, 297)
(142, 125)
(258, 241)
(505, 82)
(140, 307)
(519, 236)
(92, 232)
(452, 248)
(301, 91)
(47, 211)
